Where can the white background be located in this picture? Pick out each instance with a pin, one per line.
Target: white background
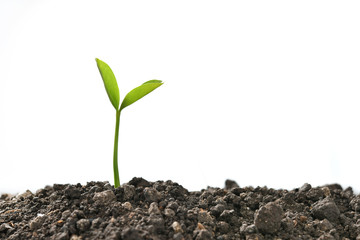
(261, 92)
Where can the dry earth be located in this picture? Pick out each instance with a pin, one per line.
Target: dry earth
(165, 210)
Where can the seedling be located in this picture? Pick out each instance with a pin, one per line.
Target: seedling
(112, 90)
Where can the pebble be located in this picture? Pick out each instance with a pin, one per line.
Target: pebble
(178, 236)
(203, 235)
(25, 195)
(75, 237)
(176, 227)
(151, 194)
(83, 224)
(37, 222)
(154, 209)
(157, 222)
(217, 210)
(173, 205)
(326, 208)
(62, 236)
(127, 205)
(130, 233)
(129, 192)
(65, 214)
(325, 225)
(229, 216)
(248, 229)
(223, 227)
(96, 222)
(355, 204)
(326, 191)
(72, 192)
(315, 194)
(139, 182)
(169, 212)
(5, 227)
(105, 197)
(204, 216)
(304, 188)
(229, 184)
(268, 218)
(326, 236)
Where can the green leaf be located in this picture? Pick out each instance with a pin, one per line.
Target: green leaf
(110, 83)
(140, 92)
(152, 81)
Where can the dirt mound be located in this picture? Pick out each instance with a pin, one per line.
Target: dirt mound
(165, 210)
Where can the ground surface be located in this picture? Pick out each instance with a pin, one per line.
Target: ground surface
(165, 210)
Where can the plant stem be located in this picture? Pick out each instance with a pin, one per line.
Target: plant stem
(115, 164)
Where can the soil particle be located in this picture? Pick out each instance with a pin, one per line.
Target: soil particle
(326, 209)
(202, 234)
(165, 210)
(154, 209)
(72, 192)
(229, 184)
(129, 192)
(5, 227)
(131, 233)
(151, 195)
(37, 222)
(268, 218)
(104, 197)
(83, 224)
(355, 204)
(177, 227)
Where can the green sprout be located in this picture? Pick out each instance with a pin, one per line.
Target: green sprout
(112, 90)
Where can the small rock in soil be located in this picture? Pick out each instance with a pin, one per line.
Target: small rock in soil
(326, 209)
(229, 184)
(268, 218)
(161, 210)
(104, 197)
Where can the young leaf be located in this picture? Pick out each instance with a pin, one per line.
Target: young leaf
(140, 92)
(153, 81)
(110, 83)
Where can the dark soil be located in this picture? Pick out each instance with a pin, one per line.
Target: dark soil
(165, 210)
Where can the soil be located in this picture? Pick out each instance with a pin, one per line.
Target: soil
(165, 210)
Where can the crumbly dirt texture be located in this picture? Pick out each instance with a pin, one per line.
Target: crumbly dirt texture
(165, 210)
